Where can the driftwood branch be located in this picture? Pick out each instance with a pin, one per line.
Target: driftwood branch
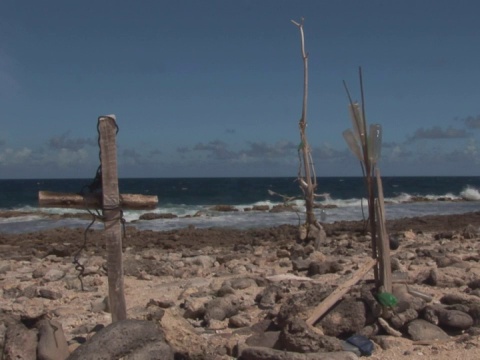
(69, 200)
(308, 182)
(341, 290)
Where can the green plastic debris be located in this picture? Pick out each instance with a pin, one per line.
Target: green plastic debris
(387, 299)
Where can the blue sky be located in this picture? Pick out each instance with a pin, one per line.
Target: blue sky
(214, 88)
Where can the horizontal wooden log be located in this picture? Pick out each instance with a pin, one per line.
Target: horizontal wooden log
(69, 200)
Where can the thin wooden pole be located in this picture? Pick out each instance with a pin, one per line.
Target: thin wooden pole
(385, 267)
(309, 182)
(112, 216)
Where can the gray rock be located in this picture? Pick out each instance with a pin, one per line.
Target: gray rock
(268, 339)
(152, 351)
(39, 273)
(400, 319)
(348, 317)
(299, 337)
(30, 291)
(3, 331)
(132, 339)
(220, 308)
(301, 264)
(49, 294)
(474, 312)
(240, 320)
(101, 305)
(474, 284)
(324, 267)
(225, 290)
(387, 342)
(420, 330)
(283, 253)
(194, 308)
(261, 353)
(162, 303)
(455, 319)
(203, 261)
(471, 232)
(20, 343)
(53, 275)
(374, 307)
(269, 297)
(242, 283)
(5, 267)
(52, 344)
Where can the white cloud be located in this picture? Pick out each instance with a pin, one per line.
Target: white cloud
(10, 156)
(66, 157)
(471, 148)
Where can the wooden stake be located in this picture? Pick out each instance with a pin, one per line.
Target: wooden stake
(112, 217)
(385, 266)
(341, 290)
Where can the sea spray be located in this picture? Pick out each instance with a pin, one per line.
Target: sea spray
(470, 193)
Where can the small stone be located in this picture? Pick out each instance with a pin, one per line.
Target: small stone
(53, 275)
(321, 268)
(266, 339)
(217, 324)
(420, 330)
(52, 344)
(282, 253)
(194, 308)
(20, 343)
(471, 232)
(240, 320)
(100, 306)
(30, 291)
(242, 283)
(301, 264)
(39, 273)
(49, 294)
(455, 319)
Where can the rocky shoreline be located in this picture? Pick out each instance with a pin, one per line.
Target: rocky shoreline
(227, 294)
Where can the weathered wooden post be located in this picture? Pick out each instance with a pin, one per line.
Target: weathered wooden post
(112, 216)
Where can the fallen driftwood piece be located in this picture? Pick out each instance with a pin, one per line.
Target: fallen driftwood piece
(70, 200)
(341, 290)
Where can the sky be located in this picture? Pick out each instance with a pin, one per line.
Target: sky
(214, 88)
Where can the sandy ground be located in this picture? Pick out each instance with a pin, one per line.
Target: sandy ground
(147, 253)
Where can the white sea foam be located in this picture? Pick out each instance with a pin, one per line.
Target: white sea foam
(402, 198)
(20, 219)
(470, 193)
(343, 202)
(348, 209)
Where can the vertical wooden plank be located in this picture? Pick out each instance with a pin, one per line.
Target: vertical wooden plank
(112, 216)
(383, 242)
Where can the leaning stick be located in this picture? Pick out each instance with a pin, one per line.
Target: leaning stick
(341, 290)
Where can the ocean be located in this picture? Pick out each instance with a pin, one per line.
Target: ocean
(185, 197)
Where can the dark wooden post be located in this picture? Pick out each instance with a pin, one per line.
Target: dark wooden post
(112, 216)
